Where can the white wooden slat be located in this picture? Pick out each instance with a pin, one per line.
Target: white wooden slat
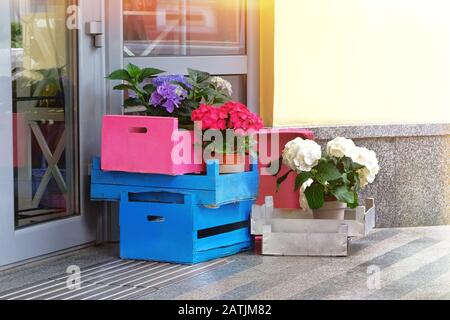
(305, 244)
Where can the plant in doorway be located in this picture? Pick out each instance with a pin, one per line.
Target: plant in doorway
(329, 182)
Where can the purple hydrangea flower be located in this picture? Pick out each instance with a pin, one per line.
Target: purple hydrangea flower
(169, 96)
(172, 78)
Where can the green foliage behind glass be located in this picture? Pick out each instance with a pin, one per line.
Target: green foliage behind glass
(16, 35)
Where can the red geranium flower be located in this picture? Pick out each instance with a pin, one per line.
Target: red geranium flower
(232, 115)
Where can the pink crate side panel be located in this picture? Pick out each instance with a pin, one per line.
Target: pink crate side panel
(286, 197)
(144, 145)
(19, 146)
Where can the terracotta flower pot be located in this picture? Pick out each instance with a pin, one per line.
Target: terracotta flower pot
(331, 210)
(230, 163)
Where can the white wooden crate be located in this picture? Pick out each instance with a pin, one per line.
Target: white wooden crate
(296, 232)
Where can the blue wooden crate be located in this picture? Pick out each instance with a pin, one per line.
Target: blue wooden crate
(171, 227)
(211, 189)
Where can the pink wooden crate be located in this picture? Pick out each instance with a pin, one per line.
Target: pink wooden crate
(286, 197)
(145, 144)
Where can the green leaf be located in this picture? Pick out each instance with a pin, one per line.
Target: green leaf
(149, 88)
(189, 105)
(327, 171)
(133, 70)
(282, 179)
(357, 182)
(345, 179)
(133, 103)
(350, 165)
(193, 75)
(198, 76)
(347, 163)
(315, 194)
(301, 179)
(148, 73)
(120, 74)
(190, 81)
(343, 194)
(123, 87)
(184, 113)
(355, 204)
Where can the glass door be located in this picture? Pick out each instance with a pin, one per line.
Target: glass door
(44, 95)
(52, 103)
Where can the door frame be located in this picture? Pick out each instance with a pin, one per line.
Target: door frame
(54, 236)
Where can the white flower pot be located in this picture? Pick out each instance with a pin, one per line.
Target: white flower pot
(331, 210)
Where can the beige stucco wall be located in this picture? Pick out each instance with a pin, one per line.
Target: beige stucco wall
(357, 62)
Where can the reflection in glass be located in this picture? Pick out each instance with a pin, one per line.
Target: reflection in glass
(239, 84)
(184, 27)
(44, 77)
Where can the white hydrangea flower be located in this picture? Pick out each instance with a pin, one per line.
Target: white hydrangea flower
(222, 85)
(341, 147)
(368, 159)
(302, 155)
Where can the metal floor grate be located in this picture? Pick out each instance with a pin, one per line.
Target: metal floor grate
(113, 280)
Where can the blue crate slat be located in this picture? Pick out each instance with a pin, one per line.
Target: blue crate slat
(212, 254)
(211, 188)
(106, 192)
(220, 241)
(181, 231)
(223, 215)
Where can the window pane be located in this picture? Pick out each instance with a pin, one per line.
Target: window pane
(184, 27)
(44, 78)
(239, 84)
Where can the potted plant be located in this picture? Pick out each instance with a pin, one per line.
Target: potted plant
(329, 182)
(232, 126)
(176, 95)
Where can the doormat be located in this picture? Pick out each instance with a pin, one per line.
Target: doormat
(113, 280)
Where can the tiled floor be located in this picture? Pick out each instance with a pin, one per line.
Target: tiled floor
(388, 264)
